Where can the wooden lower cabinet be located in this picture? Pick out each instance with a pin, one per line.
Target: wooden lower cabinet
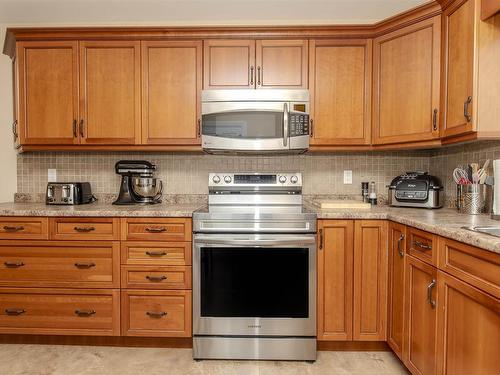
(156, 313)
(60, 311)
(395, 290)
(420, 317)
(468, 329)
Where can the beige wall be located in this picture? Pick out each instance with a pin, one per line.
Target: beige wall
(8, 164)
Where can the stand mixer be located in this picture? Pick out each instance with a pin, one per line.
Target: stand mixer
(138, 186)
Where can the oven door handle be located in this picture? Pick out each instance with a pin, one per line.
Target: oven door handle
(292, 240)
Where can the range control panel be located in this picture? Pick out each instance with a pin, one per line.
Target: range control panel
(299, 124)
(264, 180)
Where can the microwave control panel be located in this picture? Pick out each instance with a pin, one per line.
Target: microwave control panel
(299, 124)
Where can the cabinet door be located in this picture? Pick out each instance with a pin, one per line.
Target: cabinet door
(171, 82)
(421, 317)
(110, 92)
(229, 64)
(48, 92)
(406, 84)
(469, 332)
(335, 262)
(370, 280)
(459, 61)
(395, 315)
(340, 88)
(281, 64)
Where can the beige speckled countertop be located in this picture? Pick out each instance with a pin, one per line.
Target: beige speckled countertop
(444, 222)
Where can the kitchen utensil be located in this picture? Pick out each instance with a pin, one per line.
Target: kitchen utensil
(460, 176)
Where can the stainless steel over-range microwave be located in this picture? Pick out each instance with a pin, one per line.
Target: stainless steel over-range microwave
(246, 121)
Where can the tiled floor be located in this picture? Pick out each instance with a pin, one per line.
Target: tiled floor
(79, 360)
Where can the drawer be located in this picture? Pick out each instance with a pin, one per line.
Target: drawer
(156, 253)
(478, 267)
(156, 313)
(60, 311)
(150, 277)
(100, 229)
(24, 228)
(60, 264)
(422, 245)
(156, 229)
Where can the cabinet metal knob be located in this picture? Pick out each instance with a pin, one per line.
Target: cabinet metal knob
(14, 311)
(156, 253)
(429, 294)
(84, 229)
(467, 115)
(13, 264)
(156, 278)
(84, 313)
(400, 250)
(156, 314)
(84, 265)
(156, 229)
(9, 228)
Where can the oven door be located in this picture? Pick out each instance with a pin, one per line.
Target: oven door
(254, 285)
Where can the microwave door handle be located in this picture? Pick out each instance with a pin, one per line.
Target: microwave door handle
(285, 125)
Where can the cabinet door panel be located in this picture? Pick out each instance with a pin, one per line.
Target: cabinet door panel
(469, 333)
(459, 54)
(370, 280)
(171, 92)
(229, 64)
(395, 316)
(340, 88)
(335, 262)
(281, 64)
(406, 83)
(421, 317)
(48, 92)
(110, 92)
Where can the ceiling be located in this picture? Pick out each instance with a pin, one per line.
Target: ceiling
(199, 12)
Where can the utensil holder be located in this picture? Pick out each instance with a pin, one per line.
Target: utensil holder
(471, 199)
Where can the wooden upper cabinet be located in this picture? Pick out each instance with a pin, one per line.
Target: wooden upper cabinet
(370, 280)
(48, 92)
(335, 280)
(171, 86)
(281, 64)
(420, 317)
(110, 92)
(459, 57)
(407, 84)
(229, 64)
(340, 89)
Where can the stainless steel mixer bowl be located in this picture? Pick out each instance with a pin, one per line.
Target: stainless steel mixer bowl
(147, 187)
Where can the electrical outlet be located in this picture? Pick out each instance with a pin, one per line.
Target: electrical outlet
(348, 177)
(51, 175)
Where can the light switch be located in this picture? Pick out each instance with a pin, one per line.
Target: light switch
(51, 175)
(348, 177)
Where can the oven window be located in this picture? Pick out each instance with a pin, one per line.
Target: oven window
(255, 282)
(244, 124)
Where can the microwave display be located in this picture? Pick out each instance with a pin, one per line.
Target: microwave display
(299, 107)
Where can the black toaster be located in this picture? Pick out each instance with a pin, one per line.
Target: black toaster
(416, 189)
(69, 193)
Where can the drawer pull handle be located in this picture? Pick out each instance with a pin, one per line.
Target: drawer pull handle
(84, 313)
(156, 253)
(84, 229)
(156, 314)
(14, 312)
(13, 264)
(84, 265)
(156, 278)
(156, 229)
(9, 228)
(422, 246)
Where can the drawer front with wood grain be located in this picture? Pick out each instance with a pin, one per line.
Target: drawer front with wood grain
(156, 253)
(100, 229)
(480, 268)
(156, 229)
(60, 264)
(60, 312)
(24, 228)
(422, 245)
(150, 277)
(156, 313)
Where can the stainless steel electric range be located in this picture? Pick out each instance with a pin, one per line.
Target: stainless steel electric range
(254, 270)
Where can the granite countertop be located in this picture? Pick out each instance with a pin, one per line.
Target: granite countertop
(444, 222)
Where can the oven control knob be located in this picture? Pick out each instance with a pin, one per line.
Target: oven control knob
(282, 179)
(227, 179)
(294, 179)
(216, 179)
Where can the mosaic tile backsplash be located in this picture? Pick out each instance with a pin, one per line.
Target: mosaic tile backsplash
(188, 173)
